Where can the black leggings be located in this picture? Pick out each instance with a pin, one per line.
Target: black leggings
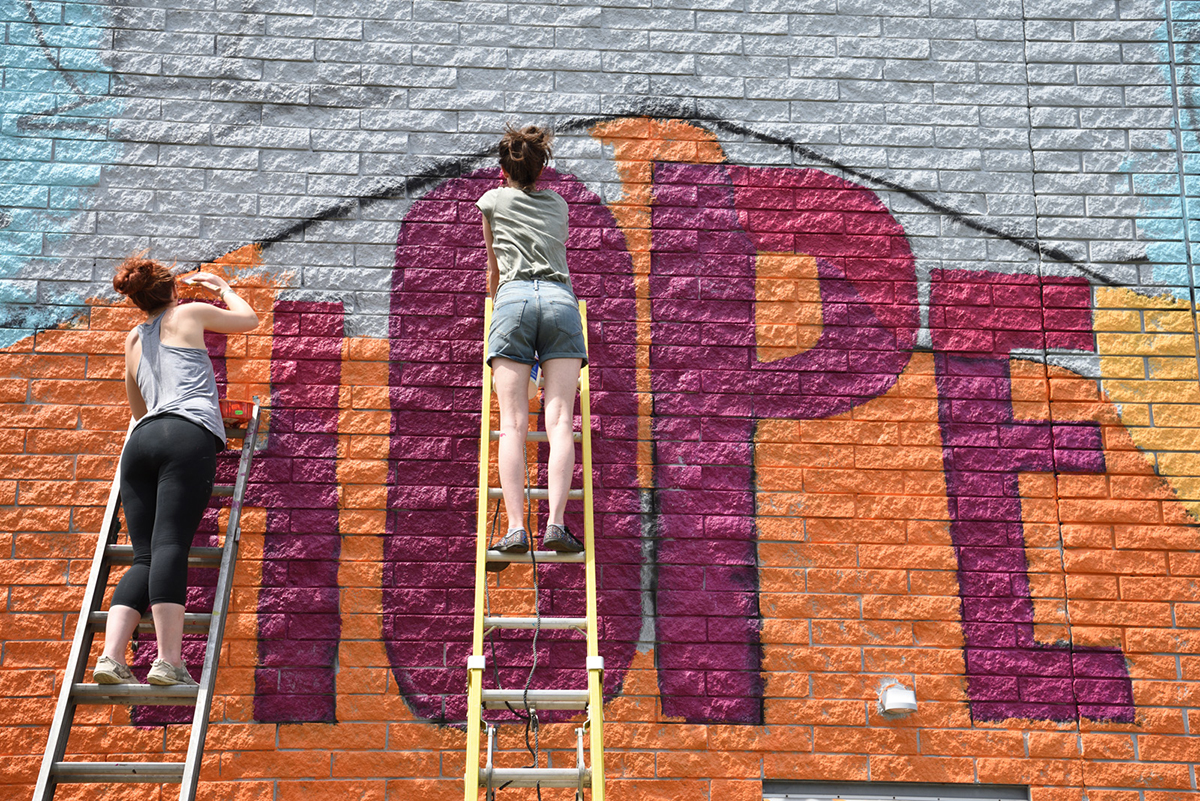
(167, 474)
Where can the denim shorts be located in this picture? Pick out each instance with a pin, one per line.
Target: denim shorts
(535, 321)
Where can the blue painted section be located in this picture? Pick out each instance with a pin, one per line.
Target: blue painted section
(54, 115)
(1162, 216)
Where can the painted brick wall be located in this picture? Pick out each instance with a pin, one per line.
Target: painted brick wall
(894, 358)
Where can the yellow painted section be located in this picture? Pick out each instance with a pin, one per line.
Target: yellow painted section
(1148, 368)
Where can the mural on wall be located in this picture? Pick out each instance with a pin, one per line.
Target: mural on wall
(723, 300)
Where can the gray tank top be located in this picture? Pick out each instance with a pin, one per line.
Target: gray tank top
(177, 380)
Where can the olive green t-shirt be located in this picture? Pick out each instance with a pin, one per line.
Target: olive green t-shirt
(529, 233)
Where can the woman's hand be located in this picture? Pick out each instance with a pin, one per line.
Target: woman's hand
(209, 281)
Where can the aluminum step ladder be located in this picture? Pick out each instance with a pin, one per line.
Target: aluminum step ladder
(55, 769)
(581, 777)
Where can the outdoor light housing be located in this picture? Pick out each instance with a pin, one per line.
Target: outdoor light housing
(898, 700)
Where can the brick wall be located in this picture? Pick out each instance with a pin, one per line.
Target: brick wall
(893, 353)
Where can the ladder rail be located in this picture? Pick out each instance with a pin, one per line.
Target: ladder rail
(81, 645)
(595, 680)
(476, 662)
(216, 632)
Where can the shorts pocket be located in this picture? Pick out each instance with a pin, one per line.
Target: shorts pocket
(566, 318)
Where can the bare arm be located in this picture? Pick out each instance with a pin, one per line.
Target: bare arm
(237, 319)
(493, 276)
(133, 356)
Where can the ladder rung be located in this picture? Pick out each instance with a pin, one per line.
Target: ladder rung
(222, 490)
(535, 493)
(193, 622)
(98, 772)
(537, 436)
(532, 622)
(140, 694)
(538, 699)
(197, 557)
(542, 557)
(529, 777)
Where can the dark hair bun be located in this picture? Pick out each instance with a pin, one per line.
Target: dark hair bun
(134, 275)
(524, 152)
(146, 282)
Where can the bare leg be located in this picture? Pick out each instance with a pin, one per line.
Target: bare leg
(168, 627)
(512, 388)
(122, 621)
(562, 376)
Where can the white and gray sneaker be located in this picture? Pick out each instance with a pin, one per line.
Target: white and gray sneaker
(110, 671)
(164, 674)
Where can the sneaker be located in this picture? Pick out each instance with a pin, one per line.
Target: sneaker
(110, 671)
(557, 538)
(515, 541)
(164, 674)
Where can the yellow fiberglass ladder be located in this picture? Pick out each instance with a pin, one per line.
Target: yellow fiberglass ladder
(56, 769)
(492, 778)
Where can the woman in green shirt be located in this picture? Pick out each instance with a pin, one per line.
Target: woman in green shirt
(535, 320)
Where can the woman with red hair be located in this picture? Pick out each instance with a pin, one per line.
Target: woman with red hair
(169, 462)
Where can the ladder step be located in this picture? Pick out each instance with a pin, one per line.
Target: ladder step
(99, 772)
(532, 622)
(537, 436)
(222, 490)
(535, 493)
(530, 777)
(193, 623)
(538, 699)
(542, 557)
(197, 557)
(140, 694)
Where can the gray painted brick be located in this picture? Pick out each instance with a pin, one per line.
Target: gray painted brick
(443, 56)
(483, 80)
(741, 23)
(834, 25)
(1002, 73)
(920, 28)
(885, 48)
(555, 16)
(199, 44)
(404, 75)
(1071, 9)
(794, 45)
(1060, 74)
(790, 89)
(604, 83)
(884, 8)
(314, 28)
(215, 22)
(260, 136)
(792, 6)
(934, 116)
(1003, 30)
(861, 69)
(604, 39)
(929, 71)
(648, 19)
(259, 92)
(265, 47)
(505, 36)
(1074, 53)
(1049, 31)
(568, 60)
(742, 66)
(695, 42)
(452, 11)
(225, 158)
(364, 54)
(649, 63)
(406, 120)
